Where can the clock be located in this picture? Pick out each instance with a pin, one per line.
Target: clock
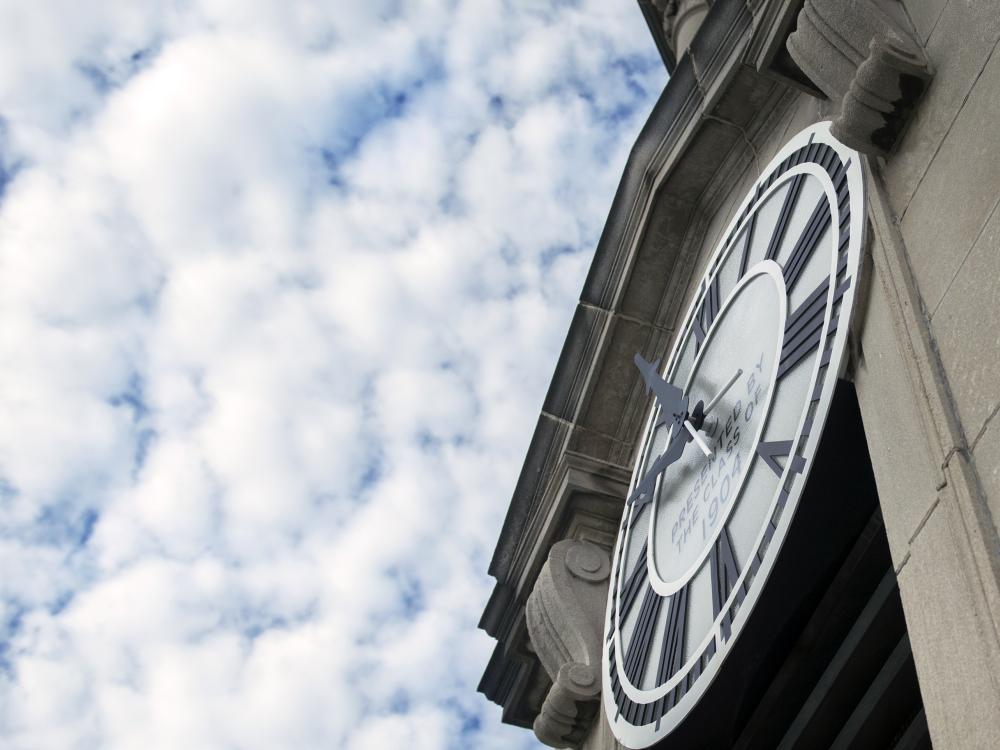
(737, 416)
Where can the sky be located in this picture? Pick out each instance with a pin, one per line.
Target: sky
(282, 286)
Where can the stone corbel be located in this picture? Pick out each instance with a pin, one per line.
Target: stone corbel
(863, 59)
(681, 21)
(565, 617)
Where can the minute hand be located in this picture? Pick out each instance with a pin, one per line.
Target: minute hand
(722, 391)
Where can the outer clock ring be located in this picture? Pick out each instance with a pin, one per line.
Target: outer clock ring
(802, 168)
(639, 718)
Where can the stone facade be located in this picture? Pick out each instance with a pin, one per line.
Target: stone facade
(916, 86)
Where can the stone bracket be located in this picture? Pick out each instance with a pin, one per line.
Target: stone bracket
(565, 616)
(867, 63)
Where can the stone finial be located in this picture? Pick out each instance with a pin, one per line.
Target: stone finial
(857, 54)
(565, 617)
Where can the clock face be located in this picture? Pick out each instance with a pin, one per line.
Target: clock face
(738, 412)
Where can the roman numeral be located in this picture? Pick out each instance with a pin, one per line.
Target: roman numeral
(637, 654)
(710, 304)
(699, 334)
(818, 222)
(710, 307)
(747, 239)
(724, 576)
(804, 327)
(672, 651)
(772, 451)
(630, 591)
(791, 197)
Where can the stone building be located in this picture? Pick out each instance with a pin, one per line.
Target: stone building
(877, 625)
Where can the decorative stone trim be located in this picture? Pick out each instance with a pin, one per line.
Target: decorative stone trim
(570, 707)
(564, 616)
(857, 54)
(681, 20)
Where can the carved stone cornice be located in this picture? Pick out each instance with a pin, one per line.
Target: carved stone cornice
(564, 616)
(652, 11)
(581, 505)
(864, 59)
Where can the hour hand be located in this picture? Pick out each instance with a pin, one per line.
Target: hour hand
(643, 492)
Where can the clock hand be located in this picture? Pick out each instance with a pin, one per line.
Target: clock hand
(697, 438)
(721, 393)
(643, 492)
(670, 398)
(665, 394)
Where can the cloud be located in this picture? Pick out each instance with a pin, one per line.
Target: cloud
(282, 289)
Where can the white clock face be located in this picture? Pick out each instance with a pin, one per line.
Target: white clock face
(738, 413)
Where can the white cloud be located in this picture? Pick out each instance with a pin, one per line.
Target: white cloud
(281, 290)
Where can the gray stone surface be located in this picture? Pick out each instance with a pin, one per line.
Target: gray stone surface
(683, 23)
(958, 192)
(961, 690)
(600, 420)
(790, 123)
(808, 111)
(601, 737)
(958, 48)
(656, 258)
(728, 21)
(652, 11)
(904, 466)
(882, 94)
(967, 330)
(987, 456)
(924, 15)
(952, 581)
(566, 386)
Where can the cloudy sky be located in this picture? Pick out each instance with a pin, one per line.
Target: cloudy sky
(282, 285)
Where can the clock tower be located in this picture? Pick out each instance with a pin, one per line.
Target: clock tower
(760, 506)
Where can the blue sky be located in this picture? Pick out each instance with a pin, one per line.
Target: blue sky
(281, 290)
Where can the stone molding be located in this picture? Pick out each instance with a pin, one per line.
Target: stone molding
(673, 24)
(681, 19)
(581, 502)
(652, 11)
(565, 620)
(867, 63)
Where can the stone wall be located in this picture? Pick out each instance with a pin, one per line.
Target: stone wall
(930, 381)
(944, 188)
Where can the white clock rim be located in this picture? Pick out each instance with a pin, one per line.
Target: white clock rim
(648, 696)
(640, 736)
